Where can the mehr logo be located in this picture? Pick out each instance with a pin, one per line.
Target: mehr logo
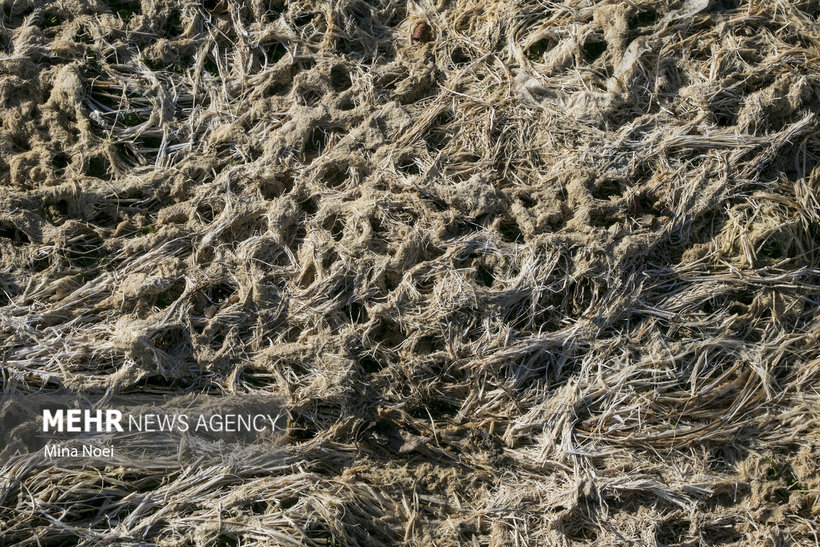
(82, 421)
(97, 421)
(158, 430)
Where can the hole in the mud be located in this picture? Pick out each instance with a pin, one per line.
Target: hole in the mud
(728, 497)
(21, 142)
(738, 308)
(259, 507)
(725, 118)
(151, 143)
(646, 201)
(218, 293)
(391, 280)
(424, 283)
(428, 344)
(83, 36)
(125, 10)
(275, 9)
(257, 378)
(510, 231)
(438, 136)
(585, 293)
(720, 533)
(51, 19)
(334, 175)
(539, 49)
(593, 48)
(211, 67)
(15, 19)
(438, 409)
(56, 213)
(459, 57)
(273, 52)
(287, 503)
(752, 335)
(344, 47)
(60, 161)
(360, 14)
(527, 201)
(302, 432)
(170, 338)
(173, 24)
(672, 532)
(643, 18)
(278, 89)
(340, 78)
(370, 365)
(104, 214)
(713, 304)
(389, 81)
(99, 167)
(387, 332)
(310, 205)
(307, 277)
(408, 165)
(208, 211)
(217, 337)
(357, 312)
(346, 103)
(315, 143)
(460, 227)
(583, 532)
(605, 189)
(304, 18)
(723, 5)
(431, 251)
(13, 233)
(204, 254)
(5, 296)
(602, 218)
(329, 259)
(225, 540)
(302, 63)
(773, 249)
(127, 154)
(376, 225)
(484, 275)
(309, 97)
(115, 54)
(335, 226)
(108, 98)
(85, 251)
(277, 186)
(41, 261)
(171, 294)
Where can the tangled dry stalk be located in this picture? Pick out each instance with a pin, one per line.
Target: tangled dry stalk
(545, 274)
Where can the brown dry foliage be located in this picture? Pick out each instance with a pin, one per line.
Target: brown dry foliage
(548, 278)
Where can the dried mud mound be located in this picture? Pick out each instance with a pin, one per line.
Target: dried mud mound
(525, 272)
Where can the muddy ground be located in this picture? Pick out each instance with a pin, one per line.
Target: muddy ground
(523, 272)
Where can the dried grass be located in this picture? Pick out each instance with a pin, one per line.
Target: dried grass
(550, 277)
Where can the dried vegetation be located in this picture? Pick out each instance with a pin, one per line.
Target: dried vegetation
(526, 272)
